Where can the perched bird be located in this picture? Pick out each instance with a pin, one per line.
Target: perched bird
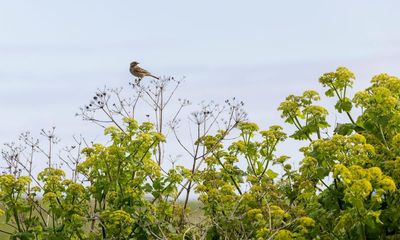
(140, 72)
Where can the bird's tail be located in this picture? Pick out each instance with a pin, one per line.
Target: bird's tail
(154, 77)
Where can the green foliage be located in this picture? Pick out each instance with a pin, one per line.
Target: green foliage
(131, 194)
(250, 203)
(304, 115)
(346, 185)
(345, 182)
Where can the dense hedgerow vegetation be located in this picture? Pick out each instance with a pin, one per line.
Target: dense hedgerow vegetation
(345, 188)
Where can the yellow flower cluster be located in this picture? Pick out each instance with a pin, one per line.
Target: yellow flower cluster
(360, 182)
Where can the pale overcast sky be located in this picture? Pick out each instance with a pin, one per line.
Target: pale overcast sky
(55, 54)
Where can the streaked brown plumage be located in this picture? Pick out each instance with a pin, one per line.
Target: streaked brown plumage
(140, 72)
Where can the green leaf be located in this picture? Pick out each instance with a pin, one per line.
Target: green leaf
(322, 172)
(22, 236)
(344, 128)
(271, 174)
(344, 105)
(330, 93)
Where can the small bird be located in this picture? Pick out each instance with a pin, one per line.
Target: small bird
(140, 72)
